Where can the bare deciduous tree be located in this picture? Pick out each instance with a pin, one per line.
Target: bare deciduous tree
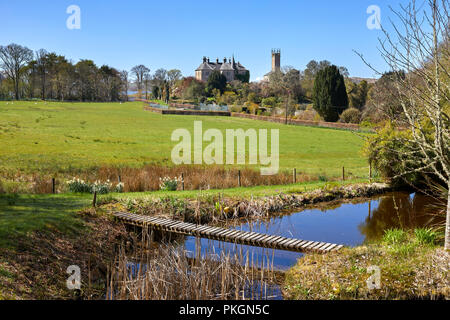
(14, 58)
(420, 46)
(139, 73)
(124, 79)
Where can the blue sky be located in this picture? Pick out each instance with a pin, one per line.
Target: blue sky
(177, 34)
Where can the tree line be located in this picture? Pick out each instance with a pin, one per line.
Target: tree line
(25, 74)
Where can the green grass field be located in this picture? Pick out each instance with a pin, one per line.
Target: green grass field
(53, 136)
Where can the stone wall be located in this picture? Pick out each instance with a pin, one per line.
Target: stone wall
(189, 112)
(338, 125)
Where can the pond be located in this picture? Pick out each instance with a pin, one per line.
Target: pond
(351, 224)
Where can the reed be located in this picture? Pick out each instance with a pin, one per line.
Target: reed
(171, 273)
(147, 178)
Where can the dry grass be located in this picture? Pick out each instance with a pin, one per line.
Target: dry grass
(148, 177)
(195, 177)
(171, 273)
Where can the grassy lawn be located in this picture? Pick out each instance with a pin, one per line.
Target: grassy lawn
(21, 215)
(54, 136)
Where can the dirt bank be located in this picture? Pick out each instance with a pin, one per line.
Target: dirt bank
(36, 267)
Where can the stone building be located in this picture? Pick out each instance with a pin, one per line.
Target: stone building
(229, 68)
(276, 60)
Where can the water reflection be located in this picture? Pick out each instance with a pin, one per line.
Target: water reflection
(399, 210)
(344, 223)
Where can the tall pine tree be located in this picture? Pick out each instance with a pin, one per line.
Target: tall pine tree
(330, 95)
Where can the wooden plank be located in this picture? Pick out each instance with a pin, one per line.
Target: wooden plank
(245, 236)
(258, 238)
(234, 234)
(312, 245)
(172, 224)
(325, 246)
(329, 248)
(266, 239)
(274, 239)
(300, 243)
(292, 244)
(222, 232)
(288, 244)
(282, 242)
(226, 234)
(199, 230)
(252, 237)
(319, 246)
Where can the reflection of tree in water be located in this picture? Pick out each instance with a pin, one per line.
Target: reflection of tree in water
(398, 210)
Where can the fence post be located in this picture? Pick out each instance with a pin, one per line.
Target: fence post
(119, 178)
(343, 173)
(94, 201)
(182, 181)
(239, 178)
(294, 175)
(53, 186)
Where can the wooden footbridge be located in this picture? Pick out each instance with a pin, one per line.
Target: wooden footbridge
(226, 235)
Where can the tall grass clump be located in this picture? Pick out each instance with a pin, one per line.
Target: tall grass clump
(425, 236)
(394, 236)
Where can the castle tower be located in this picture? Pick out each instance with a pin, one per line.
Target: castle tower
(276, 55)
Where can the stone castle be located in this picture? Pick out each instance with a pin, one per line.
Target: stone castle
(229, 68)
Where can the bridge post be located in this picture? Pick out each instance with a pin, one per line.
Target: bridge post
(239, 178)
(182, 181)
(94, 201)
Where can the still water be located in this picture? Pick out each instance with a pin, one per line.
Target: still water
(351, 224)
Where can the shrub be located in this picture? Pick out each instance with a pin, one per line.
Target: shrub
(394, 236)
(270, 102)
(169, 184)
(351, 115)
(425, 236)
(235, 108)
(251, 107)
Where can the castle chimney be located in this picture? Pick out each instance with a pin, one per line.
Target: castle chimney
(224, 60)
(204, 59)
